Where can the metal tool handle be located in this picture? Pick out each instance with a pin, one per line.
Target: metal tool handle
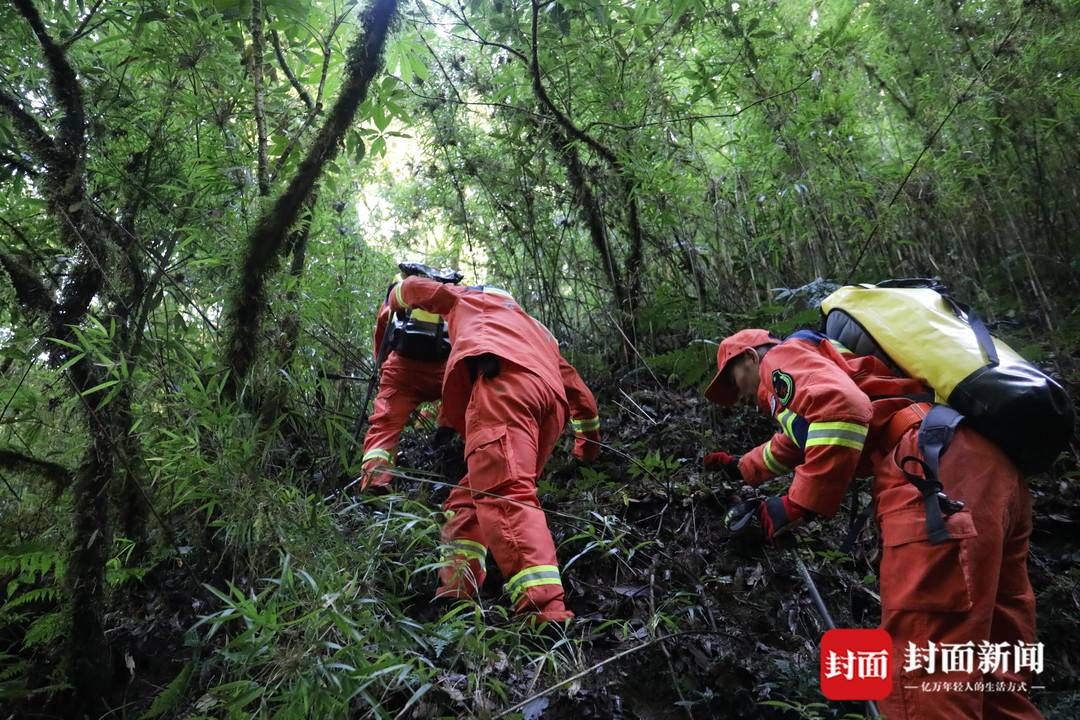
(819, 603)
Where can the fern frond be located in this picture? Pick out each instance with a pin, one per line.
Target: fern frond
(45, 629)
(42, 595)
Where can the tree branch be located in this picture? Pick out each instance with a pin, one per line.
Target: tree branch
(545, 100)
(872, 74)
(65, 182)
(316, 108)
(40, 142)
(484, 42)
(29, 290)
(55, 473)
(83, 26)
(328, 46)
(257, 51)
(267, 239)
(695, 118)
(635, 255)
(17, 163)
(64, 83)
(275, 40)
(590, 210)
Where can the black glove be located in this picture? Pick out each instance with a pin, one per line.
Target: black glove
(443, 436)
(740, 515)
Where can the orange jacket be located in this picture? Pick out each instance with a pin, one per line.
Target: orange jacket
(832, 407)
(487, 320)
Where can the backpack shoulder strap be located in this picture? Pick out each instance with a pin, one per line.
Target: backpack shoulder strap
(935, 435)
(811, 336)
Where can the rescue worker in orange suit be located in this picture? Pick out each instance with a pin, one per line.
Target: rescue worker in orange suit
(509, 392)
(844, 416)
(404, 383)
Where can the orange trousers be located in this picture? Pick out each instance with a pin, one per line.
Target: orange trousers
(403, 384)
(971, 588)
(512, 423)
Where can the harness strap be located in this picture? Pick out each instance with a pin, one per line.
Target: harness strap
(900, 422)
(978, 327)
(935, 434)
(937, 425)
(986, 342)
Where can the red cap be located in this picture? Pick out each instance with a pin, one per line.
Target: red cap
(721, 391)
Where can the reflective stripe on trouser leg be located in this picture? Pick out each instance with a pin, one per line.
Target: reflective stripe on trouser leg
(514, 421)
(373, 471)
(378, 454)
(401, 389)
(468, 549)
(531, 577)
(583, 426)
(463, 570)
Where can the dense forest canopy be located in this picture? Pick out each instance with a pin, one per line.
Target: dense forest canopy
(202, 203)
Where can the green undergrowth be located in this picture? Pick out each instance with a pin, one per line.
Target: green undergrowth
(338, 625)
(268, 590)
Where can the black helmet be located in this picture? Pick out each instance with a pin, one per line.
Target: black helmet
(443, 275)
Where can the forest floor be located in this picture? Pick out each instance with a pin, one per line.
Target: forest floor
(645, 555)
(750, 631)
(675, 618)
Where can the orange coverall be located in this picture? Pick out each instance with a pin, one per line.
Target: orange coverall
(403, 384)
(511, 422)
(839, 424)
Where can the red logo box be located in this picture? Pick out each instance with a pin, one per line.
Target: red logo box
(856, 664)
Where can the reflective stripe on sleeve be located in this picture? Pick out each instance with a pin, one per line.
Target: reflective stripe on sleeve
(793, 425)
(772, 463)
(846, 434)
(786, 418)
(532, 577)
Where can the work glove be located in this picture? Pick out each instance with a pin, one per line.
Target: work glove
(374, 478)
(779, 514)
(587, 446)
(443, 436)
(739, 516)
(726, 463)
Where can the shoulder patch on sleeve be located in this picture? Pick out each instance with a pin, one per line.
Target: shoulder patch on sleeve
(783, 386)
